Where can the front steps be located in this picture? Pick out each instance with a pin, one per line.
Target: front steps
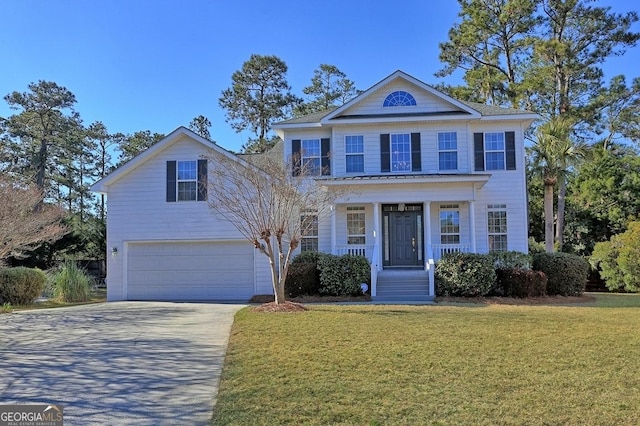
(398, 285)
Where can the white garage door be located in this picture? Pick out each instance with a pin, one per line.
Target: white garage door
(190, 271)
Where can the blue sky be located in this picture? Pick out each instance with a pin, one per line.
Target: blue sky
(154, 65)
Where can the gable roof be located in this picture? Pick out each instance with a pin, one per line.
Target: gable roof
(464, 109)
(102, 185)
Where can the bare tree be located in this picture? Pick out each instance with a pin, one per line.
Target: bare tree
(267, 199)
(24, 223)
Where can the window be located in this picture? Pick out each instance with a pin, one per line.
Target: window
(355, 225)
(401, 152)
(448, 151)
(494, 151)
(354, 149)
(449, 224)
(399, 98)
(497, 227)
(309, 231)
(187, 180)
(311, 156)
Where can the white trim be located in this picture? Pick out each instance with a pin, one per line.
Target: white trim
(478, 179)
(102, 186)
(404, 76)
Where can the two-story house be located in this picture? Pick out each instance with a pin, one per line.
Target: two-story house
(433, 175)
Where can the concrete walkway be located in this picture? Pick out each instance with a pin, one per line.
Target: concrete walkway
(143, 363)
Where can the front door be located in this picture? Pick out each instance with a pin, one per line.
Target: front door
(402, 228)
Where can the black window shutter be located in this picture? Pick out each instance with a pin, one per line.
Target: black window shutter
(202, 180)
(325, 161)
(510, 139)
(171, 181)
(416, 162)
(385, 153)
(478, 149)
(295, 156)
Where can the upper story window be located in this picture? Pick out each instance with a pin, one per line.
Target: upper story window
(186, 180)
(311, 156)
(494, 151)
(448, 151)
(449, 224)
(401, 152)
(399, 98)
(354, 150)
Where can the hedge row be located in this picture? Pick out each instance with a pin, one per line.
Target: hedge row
(314, 273)
(510, 274)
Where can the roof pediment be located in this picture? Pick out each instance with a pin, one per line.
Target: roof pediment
(177, 136)
(400, 97)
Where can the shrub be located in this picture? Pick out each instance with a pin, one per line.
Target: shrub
(619, 260)
(342, 275)
(516, 282)
(303, 278)
(510, 260)
(536, 246)
(70, 283)
(464, 274)
(308, 257)
(20, 286)
(567, 273)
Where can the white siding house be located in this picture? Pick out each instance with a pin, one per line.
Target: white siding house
(433, 175)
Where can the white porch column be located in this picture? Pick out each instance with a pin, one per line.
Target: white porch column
(377, 251)
(429, 248)
(333, 228)
(472, 225)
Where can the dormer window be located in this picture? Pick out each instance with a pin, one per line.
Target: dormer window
(399, 98)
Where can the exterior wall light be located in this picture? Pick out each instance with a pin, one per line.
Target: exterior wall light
(114, 251)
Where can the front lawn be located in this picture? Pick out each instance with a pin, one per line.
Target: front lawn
(472, 364)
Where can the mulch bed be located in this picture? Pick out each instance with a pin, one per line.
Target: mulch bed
(282, 307)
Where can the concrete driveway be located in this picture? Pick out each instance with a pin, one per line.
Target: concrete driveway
(143, 363)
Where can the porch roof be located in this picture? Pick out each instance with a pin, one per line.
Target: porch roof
(478, 179)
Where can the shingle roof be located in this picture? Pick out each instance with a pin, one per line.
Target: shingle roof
(486, 110)
(314, 117)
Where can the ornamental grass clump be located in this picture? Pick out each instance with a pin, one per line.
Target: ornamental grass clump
(70, 283)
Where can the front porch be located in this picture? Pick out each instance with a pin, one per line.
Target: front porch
(402, 242)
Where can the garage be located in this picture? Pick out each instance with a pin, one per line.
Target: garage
(190, 271)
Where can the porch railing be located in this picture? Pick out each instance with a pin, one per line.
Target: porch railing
(365, 250)
(440, 250)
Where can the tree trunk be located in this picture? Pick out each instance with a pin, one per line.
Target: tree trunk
(548, 217)
(279, 290)
(562, 192)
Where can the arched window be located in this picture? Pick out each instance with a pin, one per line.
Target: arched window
(399, 98)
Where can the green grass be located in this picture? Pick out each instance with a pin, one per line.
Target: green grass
(438, 364)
